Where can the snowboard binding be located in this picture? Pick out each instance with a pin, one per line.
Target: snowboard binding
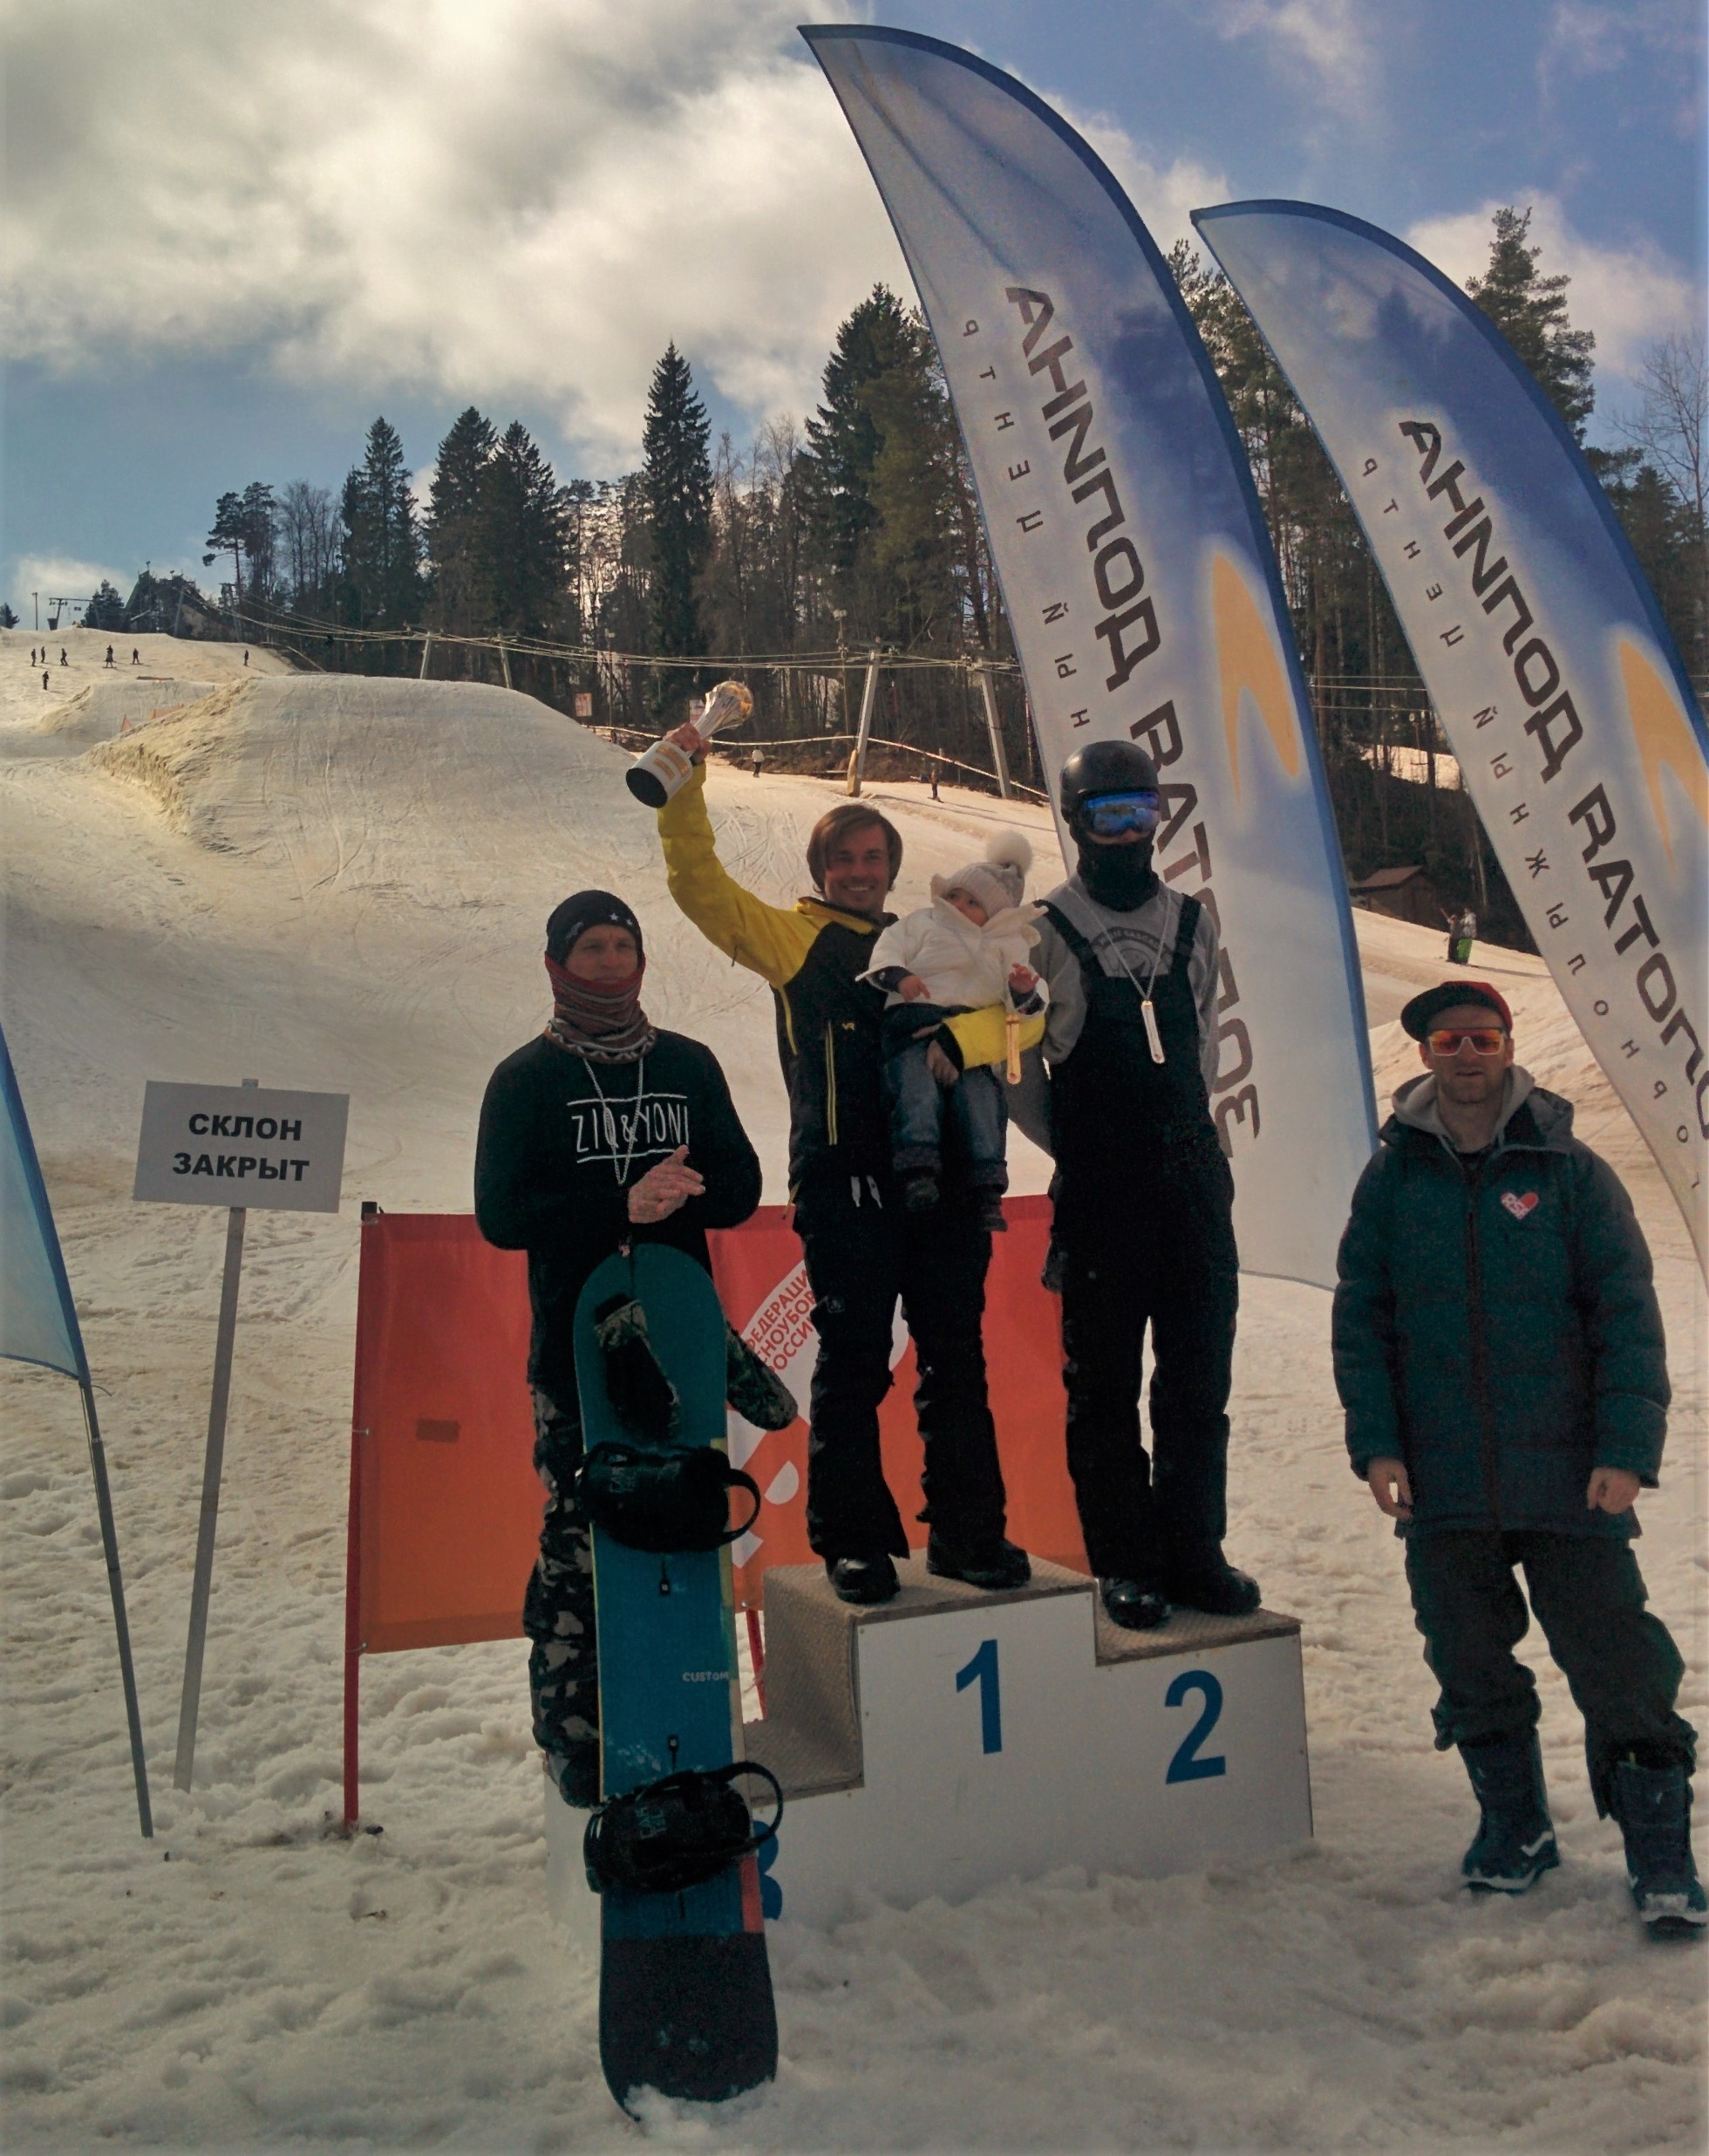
(641, 1396)
(678, 1833)
(663, 1500)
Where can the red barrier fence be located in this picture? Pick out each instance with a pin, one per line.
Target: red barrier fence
(445, 1505)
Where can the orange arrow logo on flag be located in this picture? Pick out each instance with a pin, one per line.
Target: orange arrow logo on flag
(1664, 739)
(1247, 662)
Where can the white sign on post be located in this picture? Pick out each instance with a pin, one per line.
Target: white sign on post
(237, 1145)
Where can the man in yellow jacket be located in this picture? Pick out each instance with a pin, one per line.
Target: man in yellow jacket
(863, 1248)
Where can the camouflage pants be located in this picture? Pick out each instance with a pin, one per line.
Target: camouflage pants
(558, 1612)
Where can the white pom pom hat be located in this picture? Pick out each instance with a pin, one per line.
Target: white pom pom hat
(998, 882)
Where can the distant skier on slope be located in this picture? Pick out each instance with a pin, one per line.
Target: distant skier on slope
(1498, 1351)
(602, 1130)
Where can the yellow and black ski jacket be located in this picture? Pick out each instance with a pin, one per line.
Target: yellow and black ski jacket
(829, 1022)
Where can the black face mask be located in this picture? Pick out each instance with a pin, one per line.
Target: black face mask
(1119, 878)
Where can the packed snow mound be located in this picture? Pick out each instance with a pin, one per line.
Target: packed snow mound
(106, 708)
(350, 780)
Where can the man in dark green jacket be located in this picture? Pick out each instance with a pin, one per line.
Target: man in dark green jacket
(1498, 1352)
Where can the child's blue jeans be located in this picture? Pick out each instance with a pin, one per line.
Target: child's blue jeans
(918, 1105)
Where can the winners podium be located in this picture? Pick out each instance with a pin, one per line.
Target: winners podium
(947, 1739)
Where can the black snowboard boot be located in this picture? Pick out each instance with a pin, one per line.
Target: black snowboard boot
(992, 1564)
(919, 1191)
(862, 1579)
(1206, 1581)
(1653, 1805)
(1136, 1605)
(1515, 1843)
(752, 1388)
(574, 1767)
(641, 1396)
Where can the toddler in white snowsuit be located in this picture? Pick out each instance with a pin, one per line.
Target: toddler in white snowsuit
(966, 950)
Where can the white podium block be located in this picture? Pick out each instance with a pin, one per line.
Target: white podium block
(947, 1739)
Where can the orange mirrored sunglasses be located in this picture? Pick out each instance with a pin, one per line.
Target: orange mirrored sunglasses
(1484, 1039)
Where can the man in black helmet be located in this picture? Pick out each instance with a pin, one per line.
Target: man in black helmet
(1144, 1230)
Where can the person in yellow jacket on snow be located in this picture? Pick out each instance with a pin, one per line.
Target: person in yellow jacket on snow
(863, 1248)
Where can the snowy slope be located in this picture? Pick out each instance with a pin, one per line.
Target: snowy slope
(340, 882)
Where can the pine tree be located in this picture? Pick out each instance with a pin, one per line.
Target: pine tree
(247, 524)
(461, 592)
(520, 520)
(105, 609)
(382, 550)
(843, 439)
(677, 478)
(881, 478)
(1531, 313)
(1665, 537)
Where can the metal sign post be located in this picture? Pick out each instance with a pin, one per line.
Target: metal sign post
(857, 761)
(290, 1157)
(1000, 755)
(212, 1467)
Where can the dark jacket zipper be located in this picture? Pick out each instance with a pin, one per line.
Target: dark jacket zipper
(1480, 1350)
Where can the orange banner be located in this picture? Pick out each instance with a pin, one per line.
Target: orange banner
(446, 1502)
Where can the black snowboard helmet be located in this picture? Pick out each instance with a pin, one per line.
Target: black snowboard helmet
(1103, 767)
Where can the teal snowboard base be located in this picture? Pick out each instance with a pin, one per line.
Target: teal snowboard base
(685, 2002)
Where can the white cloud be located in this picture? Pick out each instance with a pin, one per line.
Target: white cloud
(482, 200)
(1332, 44)
(1629, 294)
(1163, 195)
(1585, 38)
(489, 199)
(57, 575)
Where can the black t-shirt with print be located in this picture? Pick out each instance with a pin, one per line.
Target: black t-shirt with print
(560, 1142)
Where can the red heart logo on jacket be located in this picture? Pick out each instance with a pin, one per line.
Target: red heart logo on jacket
(1520, 1204)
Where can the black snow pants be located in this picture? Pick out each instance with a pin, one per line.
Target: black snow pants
(1168, 1262)
(1619, 1662)
(558, 1611)
(863, 1251)
(1145, 1233)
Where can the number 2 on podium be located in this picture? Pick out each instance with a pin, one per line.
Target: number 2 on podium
(1187, 1766)
(983, 1668)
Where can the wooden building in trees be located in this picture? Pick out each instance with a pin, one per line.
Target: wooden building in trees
(1404, 894)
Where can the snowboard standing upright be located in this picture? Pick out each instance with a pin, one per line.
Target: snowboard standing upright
(685, 2002)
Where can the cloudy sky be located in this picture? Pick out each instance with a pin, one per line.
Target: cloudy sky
(231, 240)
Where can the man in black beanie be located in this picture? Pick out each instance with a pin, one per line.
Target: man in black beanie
(1144, 1228)
(602, 1129)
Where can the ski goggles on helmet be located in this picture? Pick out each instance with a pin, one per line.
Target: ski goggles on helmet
(1481, 1040)
(1110, 816)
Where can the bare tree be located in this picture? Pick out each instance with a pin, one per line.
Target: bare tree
(1672, 421)
(308, 536)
